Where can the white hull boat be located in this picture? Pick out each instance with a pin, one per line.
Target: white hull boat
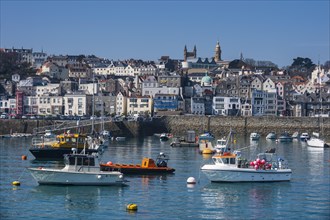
(316, 142)
(271, 136)
(79, 170)
(221, 145)
(245, 175)
(254, 136)
(229, 167)
(45, 176)
(304, 137)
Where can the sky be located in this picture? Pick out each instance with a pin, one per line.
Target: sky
(277, 30)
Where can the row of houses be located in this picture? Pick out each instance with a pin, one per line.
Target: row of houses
(72, 85)
(253, 95)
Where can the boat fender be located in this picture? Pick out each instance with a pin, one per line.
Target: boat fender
(109, 163)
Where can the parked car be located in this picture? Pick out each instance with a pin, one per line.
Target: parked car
(4, 116)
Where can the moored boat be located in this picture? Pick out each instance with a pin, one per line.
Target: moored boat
(254, 136)
(80, 170)
(164, 137)
(304, 136)
(316, 142)
(295, 134)
(231, 167)
(220, 144)
(205, 143)
(49, 149)
(285, 137)
(271, 136)
(147, 166)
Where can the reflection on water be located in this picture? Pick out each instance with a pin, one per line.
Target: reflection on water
(234, 199)
(77, 197)
(169, 196)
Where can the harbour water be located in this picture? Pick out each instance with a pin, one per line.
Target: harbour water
(306, 196)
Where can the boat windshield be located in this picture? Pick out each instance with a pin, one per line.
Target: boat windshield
(225, 160)
(161, 160)
(221, 142)
(81, 160)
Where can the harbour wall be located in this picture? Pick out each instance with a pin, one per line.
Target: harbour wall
(178, 125)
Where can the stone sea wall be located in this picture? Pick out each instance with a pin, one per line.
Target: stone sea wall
(245, 125)
(178, 125)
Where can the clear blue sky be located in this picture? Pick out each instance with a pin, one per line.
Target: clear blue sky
(277, 31)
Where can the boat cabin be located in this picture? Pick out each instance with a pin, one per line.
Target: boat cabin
(230, 159)
(68, 140)
(222, 142)
(78, 162)
(224, 158)
(161, 161)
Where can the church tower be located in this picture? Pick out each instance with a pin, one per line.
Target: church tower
(185, 53)
(189, 54)
(195, 52)
(217, 55)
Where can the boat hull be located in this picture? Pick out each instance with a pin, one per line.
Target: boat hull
(83, 178)
(316, 142)
(245, 174)
(132, 169)
(53, 153)
(183, 144)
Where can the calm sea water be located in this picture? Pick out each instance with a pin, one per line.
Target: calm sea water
(307, 196)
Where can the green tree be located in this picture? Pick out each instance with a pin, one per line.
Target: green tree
(302, 62)
(9, 65)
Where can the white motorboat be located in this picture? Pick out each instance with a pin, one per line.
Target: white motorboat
(295, 134)
(224, 143)
(271, 136)
(80, 169)
(254, 136)
(230, 167)
(164, 137)
(316, 142)
(304, 136)
(205, 143)
(221, 144)
(106, 134)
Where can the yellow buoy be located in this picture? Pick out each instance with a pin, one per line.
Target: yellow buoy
(131, 207)
(207, 151)
(24, 157)
(16, 183)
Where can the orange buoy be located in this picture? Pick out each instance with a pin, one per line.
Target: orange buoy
(24, 157)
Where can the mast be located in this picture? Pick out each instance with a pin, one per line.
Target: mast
(321, 110)
(93, 107)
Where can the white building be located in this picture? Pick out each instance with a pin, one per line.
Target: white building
(49, 89)
(76, 104)
(44, 105)
(226, 105)
(121, 104)
(197, 106)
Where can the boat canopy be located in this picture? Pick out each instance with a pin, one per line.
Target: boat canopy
(79, 159)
